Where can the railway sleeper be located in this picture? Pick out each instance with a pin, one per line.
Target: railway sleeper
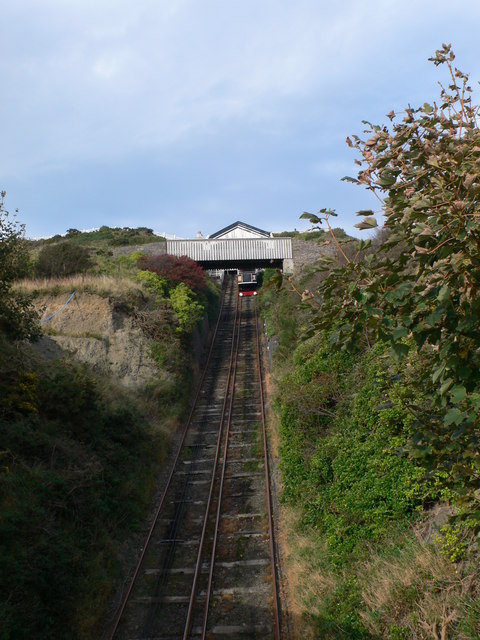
(255, 562)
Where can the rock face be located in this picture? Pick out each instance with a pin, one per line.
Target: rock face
(100, 332)
(308, 252)
(151, 249)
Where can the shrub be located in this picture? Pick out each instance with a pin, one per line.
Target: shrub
(176, 270)
(154, 283)
(341, 429)
(63, 259)
(187, 309)
(420, 291)
(18, 319)
(76, 479)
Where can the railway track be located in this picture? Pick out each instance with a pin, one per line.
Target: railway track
(207, 569)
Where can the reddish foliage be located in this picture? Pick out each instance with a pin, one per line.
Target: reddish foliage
(176, 270)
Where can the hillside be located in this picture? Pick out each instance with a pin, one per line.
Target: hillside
(89, 411)
(100, 331)
(371, 550)
(103, 238)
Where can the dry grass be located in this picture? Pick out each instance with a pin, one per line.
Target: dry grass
(418, 589)
(410, 587)
(305, 581)
(100, 285)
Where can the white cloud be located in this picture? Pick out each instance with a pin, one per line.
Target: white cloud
(95, 81)
(98, 79)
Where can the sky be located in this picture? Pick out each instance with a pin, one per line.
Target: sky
(187, 115)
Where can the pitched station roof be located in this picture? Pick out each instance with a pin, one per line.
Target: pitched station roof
(240, 225)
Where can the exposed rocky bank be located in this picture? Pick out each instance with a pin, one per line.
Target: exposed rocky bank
(99, 331)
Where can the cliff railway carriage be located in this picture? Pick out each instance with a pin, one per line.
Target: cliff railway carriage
(247, 283)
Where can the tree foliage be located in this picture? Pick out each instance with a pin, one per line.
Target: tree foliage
(153, 282)
(176, 270)
(62, 259)
(186, 307)
(18, 319)
(109, 236)
(77, 469)
(420, 290)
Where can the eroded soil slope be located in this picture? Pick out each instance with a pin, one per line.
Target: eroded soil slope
(99, 331)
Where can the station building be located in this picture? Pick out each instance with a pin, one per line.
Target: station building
(238, 246)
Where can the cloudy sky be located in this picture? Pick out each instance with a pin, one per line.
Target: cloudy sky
(186, 115)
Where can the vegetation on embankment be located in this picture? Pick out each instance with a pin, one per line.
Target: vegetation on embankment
(80, 458)
(81, 455)
(378, 392)
(371, 548)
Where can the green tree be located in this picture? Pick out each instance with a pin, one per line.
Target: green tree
(153, 282)
(421, 290)
(176, 269)
(18, 319)
(187, 309)
(62, 259)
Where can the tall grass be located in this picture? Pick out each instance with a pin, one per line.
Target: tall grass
(102, 285)
(418, 591)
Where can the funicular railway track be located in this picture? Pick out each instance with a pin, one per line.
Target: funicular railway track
(208, 566)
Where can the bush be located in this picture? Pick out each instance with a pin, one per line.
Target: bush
(342, 426)
(116, 236)
(154, 283)
(188, 310)
(420, 290)
(63, 259)
(18, 319)
(176, 270)
(78, 470)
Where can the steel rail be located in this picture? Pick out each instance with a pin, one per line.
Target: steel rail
(229, 394)
(220, 492)
(276, 602)
(126, 596)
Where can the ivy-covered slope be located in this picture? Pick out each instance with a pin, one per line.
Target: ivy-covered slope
(370, 542)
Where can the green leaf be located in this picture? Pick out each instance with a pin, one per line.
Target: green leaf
(446, 386)
(386, 180)
(434, 318)
(349, 179)
(364, 244)
(459, 432)
(438, 372)
(453, 416)
(400, 349)
(444, 294)
(311, 217)
(458, 394)
(400, 332)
